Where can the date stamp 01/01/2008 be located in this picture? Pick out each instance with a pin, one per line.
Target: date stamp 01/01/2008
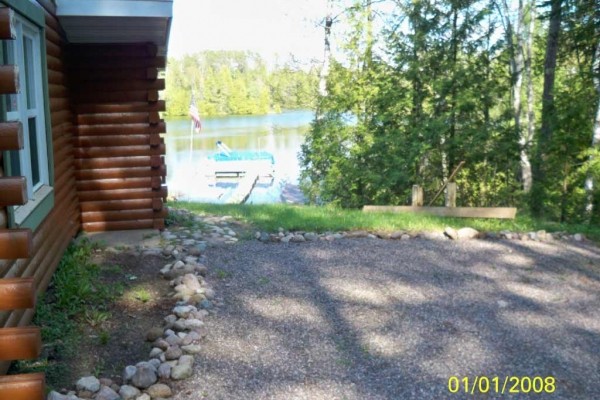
(502, 384)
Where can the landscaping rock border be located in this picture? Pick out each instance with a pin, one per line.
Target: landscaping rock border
(179, 339)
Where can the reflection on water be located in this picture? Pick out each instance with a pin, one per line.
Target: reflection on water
(280, 134)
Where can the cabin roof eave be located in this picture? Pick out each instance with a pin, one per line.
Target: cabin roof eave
(116, 21)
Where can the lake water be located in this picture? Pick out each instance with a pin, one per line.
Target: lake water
(279, 134)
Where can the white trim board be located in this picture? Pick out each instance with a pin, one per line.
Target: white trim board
(114, 8)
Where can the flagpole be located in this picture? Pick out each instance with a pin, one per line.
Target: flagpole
(191, 140)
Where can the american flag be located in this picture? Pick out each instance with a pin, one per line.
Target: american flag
(195, 115)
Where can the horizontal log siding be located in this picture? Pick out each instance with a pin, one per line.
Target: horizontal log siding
(118, 151)
(53, 236)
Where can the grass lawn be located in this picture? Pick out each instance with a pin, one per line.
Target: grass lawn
(269, 217)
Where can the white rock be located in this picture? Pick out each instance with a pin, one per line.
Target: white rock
(397, 235)
(298, 239)
(192, 348)
(183, 311)
(578, 237)
(107, 393)
(193, 323)
(145, 376)
(155, 363)
(159, 391)
(56, 396)
(88, 383)
(467, 233)
(502, 304)
(451, 233)
(144, 396)
(164, 371)
(129, 392)
(155, 352)
(128, 373)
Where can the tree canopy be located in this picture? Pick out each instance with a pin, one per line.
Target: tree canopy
(510, 88)
(236, 83)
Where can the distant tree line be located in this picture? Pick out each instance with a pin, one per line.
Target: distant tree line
(236, 83)
(511, 88)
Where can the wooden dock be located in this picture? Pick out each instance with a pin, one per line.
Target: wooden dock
(461, 212)
(244, 188)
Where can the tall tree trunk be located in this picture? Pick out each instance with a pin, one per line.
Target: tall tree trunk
(326, 52)
(589, 182)
(453, 93)
(527, 137)
(513, 32)
(538, 194)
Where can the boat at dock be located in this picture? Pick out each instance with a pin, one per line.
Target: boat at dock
(238, 163)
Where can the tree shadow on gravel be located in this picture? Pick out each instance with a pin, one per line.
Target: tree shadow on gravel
(372, 319)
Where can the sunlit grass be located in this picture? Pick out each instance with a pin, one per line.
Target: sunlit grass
(269, 217)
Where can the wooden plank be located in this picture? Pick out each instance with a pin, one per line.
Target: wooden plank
(122, 215)
(451, 194)
(119, 162)
(417, 196)
(118, 225)
(58, 91)
(116, 140)
(53, 49)
(112, 75)
(122, 194)
(159, 224)
(9, 79)
(7, 24)
(52, 36)
(141, 106)
(460, 212)
(54, 63)
(14, 191)
(119, 151)
(153, 182)
(17, 293)
(121, 129)
(121, 85)
(22, 387)
(11, 136)
(244, 188)
(116, 97)
(114, 173)
(15, 243)
(56, 78)
(20, 343)
(146, 117)
(116, 205)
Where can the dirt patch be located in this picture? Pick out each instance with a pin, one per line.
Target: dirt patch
(115, 337)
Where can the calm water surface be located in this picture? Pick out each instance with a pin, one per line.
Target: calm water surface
(280, 134)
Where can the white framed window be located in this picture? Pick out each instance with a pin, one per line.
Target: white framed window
(28, 107)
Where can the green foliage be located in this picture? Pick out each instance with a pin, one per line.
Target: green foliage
(236, 83)
(438, 92)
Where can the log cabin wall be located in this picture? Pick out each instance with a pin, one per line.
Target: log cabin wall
(119, 161)
(53, 235)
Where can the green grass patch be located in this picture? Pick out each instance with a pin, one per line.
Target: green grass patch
(75, 297)
(222, 274)
(269, 217)
(139, 293)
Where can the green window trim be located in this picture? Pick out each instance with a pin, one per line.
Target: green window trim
(37, 213)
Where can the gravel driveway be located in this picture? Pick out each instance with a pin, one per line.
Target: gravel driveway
(378, 319)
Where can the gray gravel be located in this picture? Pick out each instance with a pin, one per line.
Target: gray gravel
(375, 319)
